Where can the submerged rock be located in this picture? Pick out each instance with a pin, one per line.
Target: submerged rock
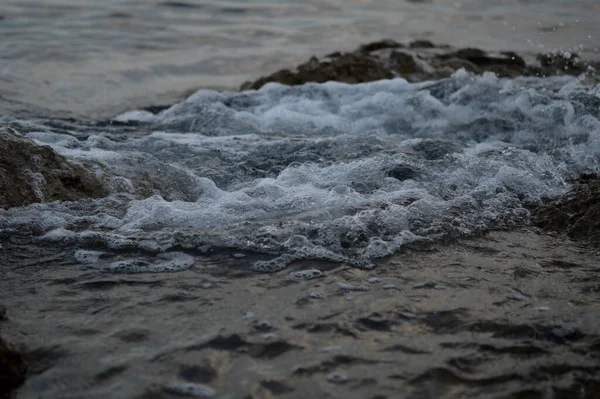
(33, 173)
(577, 213)
(422, 60)
(12, 368)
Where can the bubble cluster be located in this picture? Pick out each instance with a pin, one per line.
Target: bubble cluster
(344, 173)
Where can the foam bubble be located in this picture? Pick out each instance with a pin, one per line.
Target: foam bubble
(175, 262)
(87, 257)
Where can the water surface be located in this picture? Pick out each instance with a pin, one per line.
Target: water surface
(95, 59)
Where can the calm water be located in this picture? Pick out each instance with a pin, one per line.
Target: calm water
(98, 58)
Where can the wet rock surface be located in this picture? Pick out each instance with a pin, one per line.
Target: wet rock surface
(576, 214)
(422, 60)
(348, 68)
(509, 315)
(32, 173)
(12, 369)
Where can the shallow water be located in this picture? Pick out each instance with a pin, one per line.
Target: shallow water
(510, 315)
(95, 59)
(151, 291)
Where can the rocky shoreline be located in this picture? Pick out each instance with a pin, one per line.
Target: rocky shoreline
(31, 173)
(422, 60)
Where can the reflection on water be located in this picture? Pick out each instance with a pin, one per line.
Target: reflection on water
(96, 58)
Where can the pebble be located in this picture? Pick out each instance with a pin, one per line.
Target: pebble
(388, 286)
(238, 256)
(305, 274)
(262, 325)
(337, 378)
(269, 336)
(315, 295)
(350, 287)
(248, 315)
(542, 308)
(374, 279)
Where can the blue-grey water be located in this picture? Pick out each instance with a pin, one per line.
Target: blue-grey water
(96, 58)
(139, 294)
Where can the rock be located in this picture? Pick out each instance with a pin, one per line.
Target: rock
(561, 63)
(379, 45)
(404, 63)
(421, 44)
(422, 60)
(337, 378)
(12, 368)
(577, 213)
(33, 173)
(347, 68)
(505, 64)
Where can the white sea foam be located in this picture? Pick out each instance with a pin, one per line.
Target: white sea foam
(348, 173)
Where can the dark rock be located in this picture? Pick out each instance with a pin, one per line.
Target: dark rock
(404, 63)
(12, 368)
(562, 63)
(422, 60)
(380, 45)
(203, 373)
(276, 387)
(421, 44)
(477, 61)
(577, 213)
(32, 173)
(347, 68)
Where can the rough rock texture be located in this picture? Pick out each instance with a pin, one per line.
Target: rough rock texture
(348, 68)
(12, 369)
(422, 60)
(32, 173)
(577, 213)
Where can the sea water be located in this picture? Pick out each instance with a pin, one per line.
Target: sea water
(336, 172)
(89, 58)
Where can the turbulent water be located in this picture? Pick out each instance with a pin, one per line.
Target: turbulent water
(344, 173)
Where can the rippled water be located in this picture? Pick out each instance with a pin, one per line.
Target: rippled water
(330, 176)
(97, 58)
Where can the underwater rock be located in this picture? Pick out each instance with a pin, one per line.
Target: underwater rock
(12, 368)
(577, 213)
(33, 173)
